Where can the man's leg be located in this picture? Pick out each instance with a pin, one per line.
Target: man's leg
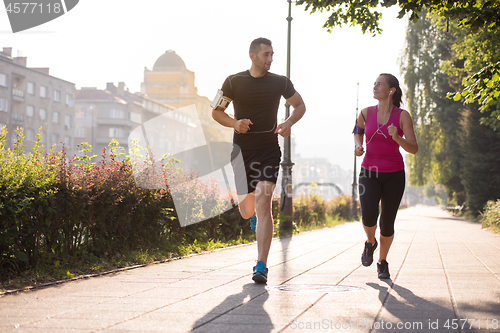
(265, 224)
(247, 205)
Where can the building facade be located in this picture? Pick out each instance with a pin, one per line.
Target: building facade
(35, 101)
(170, 82)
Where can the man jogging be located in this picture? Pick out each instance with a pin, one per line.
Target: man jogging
(256, 95)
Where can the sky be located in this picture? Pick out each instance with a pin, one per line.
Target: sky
(102, 41)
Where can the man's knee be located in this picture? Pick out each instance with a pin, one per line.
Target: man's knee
(247, 206)
(246, 214)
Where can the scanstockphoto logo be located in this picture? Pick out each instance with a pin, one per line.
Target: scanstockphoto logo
(173, 146)
(24, 15)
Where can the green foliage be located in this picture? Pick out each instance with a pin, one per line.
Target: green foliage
(313, 210)
(490, 217)
(473, 14)
(436, 119)
(456, 149)
(473, 17)
(28, 194)
(483, 87)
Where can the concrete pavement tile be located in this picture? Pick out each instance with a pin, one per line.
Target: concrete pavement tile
(93, 314)
(179, 316)
(70, 323)
(141, 325)
(41, 330)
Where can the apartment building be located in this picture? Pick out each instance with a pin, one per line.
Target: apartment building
(113, 113)
(32, 99)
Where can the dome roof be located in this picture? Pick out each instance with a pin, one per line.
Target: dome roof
(169, 59)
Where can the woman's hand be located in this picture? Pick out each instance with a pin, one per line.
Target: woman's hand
(358, 151)
(393, 131)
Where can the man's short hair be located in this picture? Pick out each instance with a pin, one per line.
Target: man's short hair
(255, 45)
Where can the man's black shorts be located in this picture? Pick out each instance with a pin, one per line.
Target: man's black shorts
(260, 165)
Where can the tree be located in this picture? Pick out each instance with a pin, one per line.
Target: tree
(475, 14)
(482, 16)
(436, 118)
(456, 150)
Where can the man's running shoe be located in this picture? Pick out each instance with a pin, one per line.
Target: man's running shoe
(383, 270)
(260, 272)
(253, 223)
(367, 256)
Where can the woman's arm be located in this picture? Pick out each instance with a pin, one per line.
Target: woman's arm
(409, 142)
(358, 138)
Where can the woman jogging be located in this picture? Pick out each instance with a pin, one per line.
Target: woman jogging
(382, 176)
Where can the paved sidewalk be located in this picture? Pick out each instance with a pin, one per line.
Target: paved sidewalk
(444, 270)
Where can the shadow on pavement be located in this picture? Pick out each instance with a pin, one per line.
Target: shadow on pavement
(237, 311)
(412, 306)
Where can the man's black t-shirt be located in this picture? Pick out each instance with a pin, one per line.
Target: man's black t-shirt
(257, 99)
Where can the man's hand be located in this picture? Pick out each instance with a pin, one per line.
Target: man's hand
(284, 129)
(242, 125)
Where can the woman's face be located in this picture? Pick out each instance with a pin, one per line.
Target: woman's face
(381, 89)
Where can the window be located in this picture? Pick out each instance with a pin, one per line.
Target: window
(43, 91)
(55, 117)
(4, 80)
(67, 141)
(67, 121)
(30, 134)
(3, 105)
(80, 132)
(31, 88)
(18, 116)
(30, 111)
(44, 137)
(117, 114)
(135, 117)
(55, 139)
(57, 95)
(80, 113)
(43, 114)
(116, 133)
(69, 100)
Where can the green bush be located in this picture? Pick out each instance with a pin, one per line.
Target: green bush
(314, 210)
(490, 217)
(57, 211)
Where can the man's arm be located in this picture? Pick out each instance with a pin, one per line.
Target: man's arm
(220, 116)
(299, 108)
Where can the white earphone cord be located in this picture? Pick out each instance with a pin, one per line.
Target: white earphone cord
(271, 130)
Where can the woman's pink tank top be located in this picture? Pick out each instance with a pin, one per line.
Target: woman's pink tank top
(382, 152)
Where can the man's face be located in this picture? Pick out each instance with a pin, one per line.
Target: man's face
(264, 57)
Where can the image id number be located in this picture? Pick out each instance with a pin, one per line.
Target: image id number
(468, 323)
(33, 7)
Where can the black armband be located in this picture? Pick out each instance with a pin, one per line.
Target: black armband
(358, 130)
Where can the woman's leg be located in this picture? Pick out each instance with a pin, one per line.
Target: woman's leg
(392, 193)
(369, 196)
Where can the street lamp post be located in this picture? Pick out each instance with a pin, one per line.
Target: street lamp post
(286, 190)
(354, 212)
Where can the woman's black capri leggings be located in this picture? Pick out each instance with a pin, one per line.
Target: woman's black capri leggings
(384, 187)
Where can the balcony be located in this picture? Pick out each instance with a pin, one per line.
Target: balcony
(18, 95)
(18, 117)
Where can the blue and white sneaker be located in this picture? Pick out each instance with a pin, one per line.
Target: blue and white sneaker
(260, 272)
(253, 223)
